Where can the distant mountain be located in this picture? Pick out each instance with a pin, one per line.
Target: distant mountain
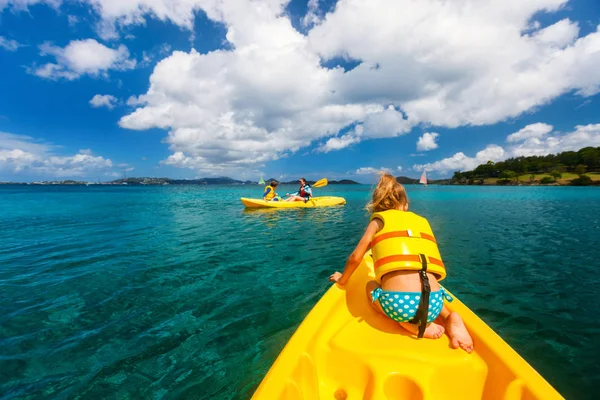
(167, 181)
(406, 180)
(332, 182)
(223, 180)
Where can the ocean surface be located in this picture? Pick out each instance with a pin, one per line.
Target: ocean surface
(178, 292)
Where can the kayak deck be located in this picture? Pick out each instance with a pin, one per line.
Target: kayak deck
(324, 201)
(344, 349)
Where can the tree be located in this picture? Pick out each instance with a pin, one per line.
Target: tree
(507, 174)
(556, 174)
(546, 180)
(590, 156)
(580, 169)
(583, 180)
(569, 158)
(458, 177)
(531, 178)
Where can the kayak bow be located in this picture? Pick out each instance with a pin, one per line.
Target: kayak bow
(344, 349)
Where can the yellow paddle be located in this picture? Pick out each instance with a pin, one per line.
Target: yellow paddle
(320, 183)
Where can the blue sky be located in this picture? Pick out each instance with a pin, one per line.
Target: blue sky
(94, 89)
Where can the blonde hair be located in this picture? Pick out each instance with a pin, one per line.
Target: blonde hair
(388, 195)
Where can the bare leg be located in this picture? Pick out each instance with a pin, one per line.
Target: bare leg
(433, 331)
(294, 198)
(458, 332)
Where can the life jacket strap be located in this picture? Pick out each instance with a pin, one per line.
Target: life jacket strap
(421, 314)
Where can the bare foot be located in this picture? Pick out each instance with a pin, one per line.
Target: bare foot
(458, 333)
(433, 330)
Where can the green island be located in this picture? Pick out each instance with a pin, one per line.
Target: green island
(572, 168)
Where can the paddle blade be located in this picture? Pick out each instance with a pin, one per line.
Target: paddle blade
(320, 183)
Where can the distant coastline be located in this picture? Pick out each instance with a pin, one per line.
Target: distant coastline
(168, 181)
(568, 168)
(523, 180)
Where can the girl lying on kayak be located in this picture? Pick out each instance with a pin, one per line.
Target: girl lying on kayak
(407, 266)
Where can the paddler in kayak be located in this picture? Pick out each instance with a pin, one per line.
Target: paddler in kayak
(407, 266)
(269, 194)
(304, 193)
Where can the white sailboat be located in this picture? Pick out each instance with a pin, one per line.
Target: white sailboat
(423, 179)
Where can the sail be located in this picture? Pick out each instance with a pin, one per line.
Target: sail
(423, 179)
(261, 182)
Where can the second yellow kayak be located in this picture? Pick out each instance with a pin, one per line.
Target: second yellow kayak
(344, 349)
(324, 201)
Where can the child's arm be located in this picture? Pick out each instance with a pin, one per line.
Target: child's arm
(358, 253)
(266, 193)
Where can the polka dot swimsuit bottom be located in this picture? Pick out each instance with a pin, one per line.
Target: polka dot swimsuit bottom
(402, 306)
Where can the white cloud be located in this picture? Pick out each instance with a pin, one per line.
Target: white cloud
(463, 63)
(530, 131)
(23, 154)
(82, 57)
(9, 44)
(371, 171)
(427, 141)
(533, 140)
(73, 20)
(449, 75)
(231, 110)
(399, 169)
(22, 5)
(386, 123)
(461, 162)
(561, 34)
(338, 143)
(311, 17)
(103, 100)
(582, 136)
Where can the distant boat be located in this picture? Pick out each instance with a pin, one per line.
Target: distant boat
(261, 182)
(423, 179)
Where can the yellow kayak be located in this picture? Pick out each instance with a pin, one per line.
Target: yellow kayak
(324, 201)
(346, 350)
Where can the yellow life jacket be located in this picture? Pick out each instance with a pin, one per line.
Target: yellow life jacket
(398, 246)
(271, 194)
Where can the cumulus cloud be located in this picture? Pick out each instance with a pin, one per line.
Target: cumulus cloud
(337, 143)
(23, 154)
(582, 136)
(268, 94)
(533, 140)
(530, 131)
(561, 34)
(427, 141)
(311, 17)
(103, 100)
(451, 77)
(462, 162)
(9, 44)
(371, 171)
(82, 57)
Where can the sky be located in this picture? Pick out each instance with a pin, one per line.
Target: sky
(99, 89)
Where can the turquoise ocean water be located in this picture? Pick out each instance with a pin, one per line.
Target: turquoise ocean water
(177, 292)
